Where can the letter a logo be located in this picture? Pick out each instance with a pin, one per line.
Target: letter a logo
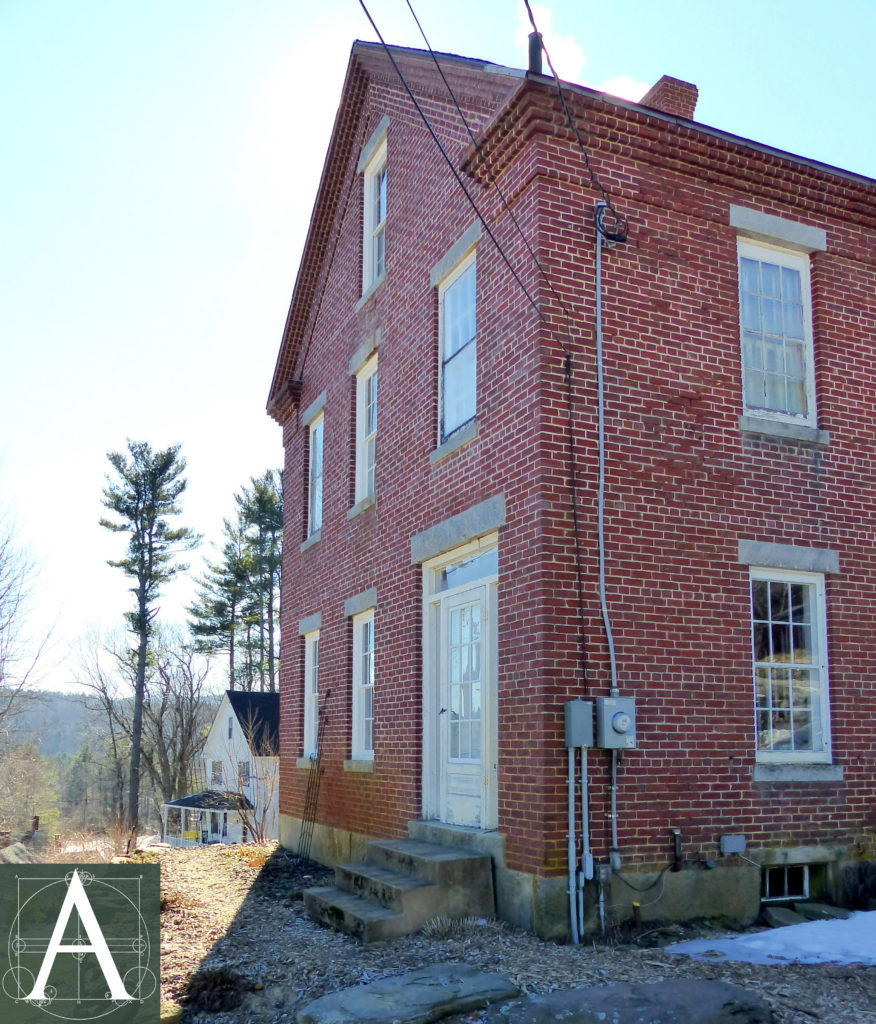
(76, 898)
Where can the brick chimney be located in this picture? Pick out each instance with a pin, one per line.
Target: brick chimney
(672, 96)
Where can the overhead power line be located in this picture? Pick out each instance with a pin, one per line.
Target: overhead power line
(449, 163)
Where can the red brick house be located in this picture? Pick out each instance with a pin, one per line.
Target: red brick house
(442, 598)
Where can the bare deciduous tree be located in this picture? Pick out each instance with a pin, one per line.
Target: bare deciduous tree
(175, 709)
(19, 652)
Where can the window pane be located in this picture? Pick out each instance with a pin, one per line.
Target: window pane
(792, 287)
(793, 321)
(800, 602)
(779, 601)
(775, 392)
(794, 358)
(772, 317)
(802, 689)
(803, 730)
(771, 278)
(459, 312)
(754, 393)
(782, 736)
(751, 319)
(780, 634)
(764, 737)
(760, 598)
(459, 389)
(750, 274)
(781, 690)
(761, 642)
(762, 687)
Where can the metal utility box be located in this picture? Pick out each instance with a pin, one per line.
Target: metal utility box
(579, 723)
(616, 723)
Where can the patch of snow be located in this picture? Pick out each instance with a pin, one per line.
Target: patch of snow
(852, 941)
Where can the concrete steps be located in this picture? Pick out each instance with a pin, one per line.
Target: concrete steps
(400, 885)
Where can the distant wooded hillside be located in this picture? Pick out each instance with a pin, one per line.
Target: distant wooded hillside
(55, 722)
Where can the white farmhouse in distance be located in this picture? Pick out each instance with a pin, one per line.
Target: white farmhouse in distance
(241, 774)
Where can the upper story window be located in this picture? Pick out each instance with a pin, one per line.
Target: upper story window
(314, 475)
(216, 774)
(230, 726)
(789, 659)
(778, 371)
(366, 429)
(457, 319)
(311, 693)
(372, 165)
(363, 685)
(243, 773)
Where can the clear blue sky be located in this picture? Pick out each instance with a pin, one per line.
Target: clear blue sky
(159, 165)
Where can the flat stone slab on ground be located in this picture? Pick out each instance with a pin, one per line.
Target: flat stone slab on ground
(782, 917)
(669, 1002)
(416, 998)
(821, 912)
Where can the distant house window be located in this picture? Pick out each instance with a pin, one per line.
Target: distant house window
(243, 773)
(457, 319)
(216, 773)
(314, 476)
(366, 429)
(374, 219)
(363, 685)
(311, 693)
(230, 726)
(789, 656)
(778, 372)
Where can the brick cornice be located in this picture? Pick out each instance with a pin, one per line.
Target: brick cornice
(619, 131)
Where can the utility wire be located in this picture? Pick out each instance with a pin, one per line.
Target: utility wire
(449, 163)
(620, 220)
(492, 176)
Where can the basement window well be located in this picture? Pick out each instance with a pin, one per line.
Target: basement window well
(787, 882)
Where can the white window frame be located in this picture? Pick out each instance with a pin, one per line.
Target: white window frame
(818, 632)
(794, 261)
(243, 773)
(311, 693)
(217, 773)
(374, 199)
(469, 262)
(366, 429)
(362, 744)
(315, 473)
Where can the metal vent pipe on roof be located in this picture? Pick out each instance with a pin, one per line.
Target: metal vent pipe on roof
(535, 53)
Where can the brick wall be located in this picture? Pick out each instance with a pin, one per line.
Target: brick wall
(684, 483)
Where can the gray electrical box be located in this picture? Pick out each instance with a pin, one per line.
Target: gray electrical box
(616, 723)
(731, 844)
(579, 723)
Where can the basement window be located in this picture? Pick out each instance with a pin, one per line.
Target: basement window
(787, 882)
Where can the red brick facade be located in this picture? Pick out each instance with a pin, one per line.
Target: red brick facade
(686, 479)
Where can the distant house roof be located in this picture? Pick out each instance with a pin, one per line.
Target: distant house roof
(259, 717)
(212, 800)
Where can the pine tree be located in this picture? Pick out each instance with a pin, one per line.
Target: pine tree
(146, 492)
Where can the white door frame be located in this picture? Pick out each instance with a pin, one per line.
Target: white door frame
(433, 756)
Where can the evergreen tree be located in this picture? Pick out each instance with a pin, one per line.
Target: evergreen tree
(146, 492)
(237, 610)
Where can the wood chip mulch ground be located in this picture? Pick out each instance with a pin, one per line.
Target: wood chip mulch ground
(237, 946)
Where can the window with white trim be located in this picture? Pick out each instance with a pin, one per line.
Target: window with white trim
(775, 322)
(314, 476)
(374, 219)
(363, 685)
(243, 773)
(366, 429)
(311, 692)
(457, 326)
(216, 774)
(789, 662)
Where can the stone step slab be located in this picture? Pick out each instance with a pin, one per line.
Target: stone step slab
(383, 885)
(782, 917)
(361, 918)
(821, 912)
(415, 998)
(668, 1002)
